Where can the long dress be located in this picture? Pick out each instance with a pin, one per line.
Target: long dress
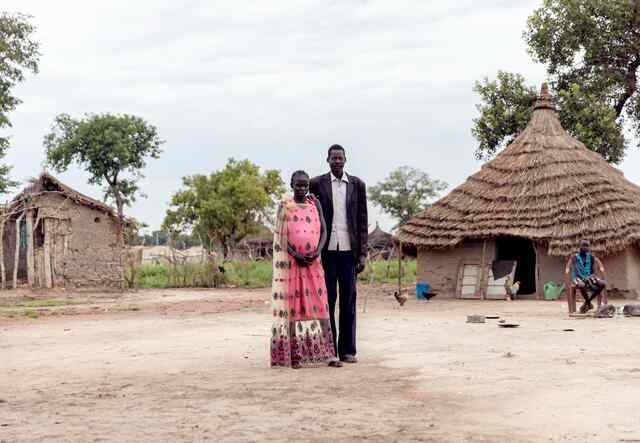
(301, 332)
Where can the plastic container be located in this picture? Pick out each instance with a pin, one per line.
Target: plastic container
(552, 291)
(422, 288)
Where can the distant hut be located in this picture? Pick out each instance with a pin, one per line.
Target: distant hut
(255, 247)
(531, 204)
(380, 244)
(54, 236)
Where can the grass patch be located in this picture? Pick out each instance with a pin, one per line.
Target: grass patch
(45, 303)
(32, 314)
(387, 272)
(249, 274)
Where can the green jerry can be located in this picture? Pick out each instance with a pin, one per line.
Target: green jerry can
(552, 291)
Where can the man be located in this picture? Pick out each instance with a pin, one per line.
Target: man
(343, 199)
(581, 268)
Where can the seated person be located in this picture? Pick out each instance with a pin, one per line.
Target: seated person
(581, 267)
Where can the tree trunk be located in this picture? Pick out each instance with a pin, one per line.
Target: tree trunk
(121, 224)
(16, 256)
(30, 254)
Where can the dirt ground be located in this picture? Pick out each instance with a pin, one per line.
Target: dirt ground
(193, 366)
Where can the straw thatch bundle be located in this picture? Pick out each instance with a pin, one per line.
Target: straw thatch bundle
(545, 186)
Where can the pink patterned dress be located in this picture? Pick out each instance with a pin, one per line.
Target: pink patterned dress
(301, 334)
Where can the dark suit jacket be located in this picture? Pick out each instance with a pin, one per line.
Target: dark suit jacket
(357, 221)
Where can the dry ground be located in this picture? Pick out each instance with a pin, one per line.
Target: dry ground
(193, 366)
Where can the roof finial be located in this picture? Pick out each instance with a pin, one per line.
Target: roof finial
(545, 100)
(545, 89)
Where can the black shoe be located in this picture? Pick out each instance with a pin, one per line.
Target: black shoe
(349, 358)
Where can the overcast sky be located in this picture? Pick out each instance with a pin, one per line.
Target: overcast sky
(273, 81)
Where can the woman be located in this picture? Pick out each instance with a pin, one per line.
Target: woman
(301, 333)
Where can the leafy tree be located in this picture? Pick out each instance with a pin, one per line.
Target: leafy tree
(227, 205)
(405, 193)
(113, 148)
(18, 54)
(592, 52)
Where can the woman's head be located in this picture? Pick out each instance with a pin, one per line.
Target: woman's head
(300, 184)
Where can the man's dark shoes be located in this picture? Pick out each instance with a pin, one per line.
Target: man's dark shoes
(348, 358)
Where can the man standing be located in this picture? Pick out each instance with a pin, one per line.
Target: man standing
(581, 269)
(344, 203)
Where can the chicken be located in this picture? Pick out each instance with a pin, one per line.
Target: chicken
(512, 290)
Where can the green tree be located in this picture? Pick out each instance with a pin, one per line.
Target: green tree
(592, 52)
(227, 205)
(405, 193)
(18, 54)
(114, 149)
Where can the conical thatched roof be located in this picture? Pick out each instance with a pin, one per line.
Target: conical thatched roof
(378, 239)
(546, 186)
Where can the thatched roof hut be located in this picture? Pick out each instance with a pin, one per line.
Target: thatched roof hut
(380, 243)
(544, 191)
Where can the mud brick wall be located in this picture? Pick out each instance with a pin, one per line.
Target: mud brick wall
(633, 272)
(90, 257)
(85, 245)
(551, 267)
(439, 268)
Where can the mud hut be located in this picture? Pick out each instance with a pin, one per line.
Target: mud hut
(531, 204)
(54, 236)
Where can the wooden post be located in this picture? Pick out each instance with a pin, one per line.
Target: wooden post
(16, 256)
(399, 268)
(48, 279)
(482, 266)
(30, 255)
(3, 271)
(537, 271)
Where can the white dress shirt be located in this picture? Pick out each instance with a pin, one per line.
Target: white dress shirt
(339, 239)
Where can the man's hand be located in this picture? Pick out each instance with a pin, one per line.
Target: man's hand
(309, 258)
(361, 264)
(301, 260)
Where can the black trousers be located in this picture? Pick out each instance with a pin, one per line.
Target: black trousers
(339, 270)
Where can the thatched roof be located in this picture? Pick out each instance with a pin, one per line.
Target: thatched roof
(378, 239)
(546, 186)
(46, 182)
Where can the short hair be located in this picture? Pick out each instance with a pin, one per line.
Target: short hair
(298, 173)
(335, 148)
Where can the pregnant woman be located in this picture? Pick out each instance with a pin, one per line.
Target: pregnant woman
(301, 333)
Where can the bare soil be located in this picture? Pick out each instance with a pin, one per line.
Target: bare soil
(191, 365)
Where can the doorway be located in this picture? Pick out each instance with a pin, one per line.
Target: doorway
(523, 252)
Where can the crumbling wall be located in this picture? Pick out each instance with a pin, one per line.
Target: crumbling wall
(439, 268)
(83, 245)
(86, 251)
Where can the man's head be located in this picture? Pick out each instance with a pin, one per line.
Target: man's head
(336, 158)
(300, 184)
(584, 246)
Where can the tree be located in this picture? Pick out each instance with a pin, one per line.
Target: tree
(114, 150)
(592, 52)
(227, 205)
(405, 193)
(18, 54)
